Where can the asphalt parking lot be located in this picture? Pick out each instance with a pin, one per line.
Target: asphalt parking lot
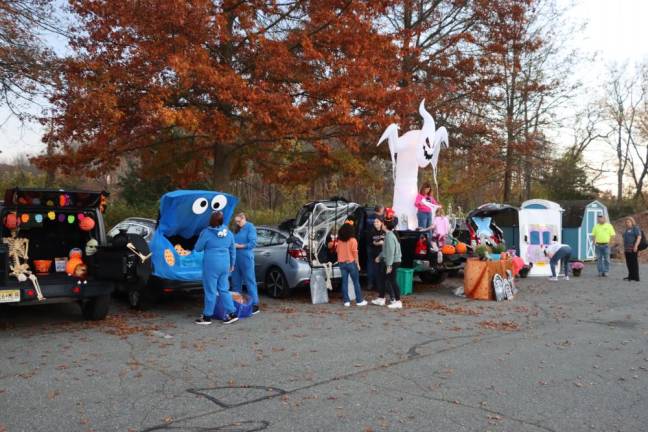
(568, 356)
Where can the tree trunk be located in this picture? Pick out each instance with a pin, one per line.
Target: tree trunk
(620, 169)
(221, 168)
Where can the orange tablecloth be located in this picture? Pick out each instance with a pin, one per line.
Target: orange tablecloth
(478, 277)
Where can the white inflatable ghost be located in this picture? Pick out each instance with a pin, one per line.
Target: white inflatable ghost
(416, 148)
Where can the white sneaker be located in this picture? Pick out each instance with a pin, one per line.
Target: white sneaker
(553, 278)
(396, 305)
(378, 301)
(347, 304)
(362, 303)
(566, 277)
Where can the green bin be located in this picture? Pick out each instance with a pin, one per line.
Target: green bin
(405, 279)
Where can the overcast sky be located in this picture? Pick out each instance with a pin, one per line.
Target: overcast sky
(616, 29)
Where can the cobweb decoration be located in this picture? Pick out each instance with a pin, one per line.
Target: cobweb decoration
(321, 221)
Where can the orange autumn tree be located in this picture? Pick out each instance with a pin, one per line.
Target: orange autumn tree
(211, 89)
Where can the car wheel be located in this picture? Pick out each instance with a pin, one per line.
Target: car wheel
(432, 277)
(454, 273)
(95, 308)
(276, 284)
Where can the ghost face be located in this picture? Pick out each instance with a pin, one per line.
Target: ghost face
(424, 150)
(91, 247)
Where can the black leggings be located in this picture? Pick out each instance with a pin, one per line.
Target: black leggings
(633, 265)
(390, 282)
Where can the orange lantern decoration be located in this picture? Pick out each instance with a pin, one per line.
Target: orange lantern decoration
(87, 223)
(461, 248)
(448, 250)
(11, 221)
(74, 261)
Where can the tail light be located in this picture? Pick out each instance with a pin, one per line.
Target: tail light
(76, 290)
(298, 253)
(30, 293)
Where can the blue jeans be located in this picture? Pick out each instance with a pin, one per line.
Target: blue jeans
(602, 258)
(563, 254)
(244, 274)
(424, 219)
(350, 268)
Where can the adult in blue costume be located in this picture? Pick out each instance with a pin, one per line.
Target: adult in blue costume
(246, 240)
(217, 242)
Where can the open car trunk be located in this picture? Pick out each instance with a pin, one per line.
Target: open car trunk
(51, 221)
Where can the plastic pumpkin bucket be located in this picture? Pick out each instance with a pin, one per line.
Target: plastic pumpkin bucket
(42, 266)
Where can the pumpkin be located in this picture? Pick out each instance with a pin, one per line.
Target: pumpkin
(461, 248)
(87, 223)
(11, 221)
(448, 250)
(74, 261)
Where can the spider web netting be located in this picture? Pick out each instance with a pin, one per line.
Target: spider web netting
(322, 220)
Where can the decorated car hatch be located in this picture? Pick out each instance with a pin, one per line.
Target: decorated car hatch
(183, 215)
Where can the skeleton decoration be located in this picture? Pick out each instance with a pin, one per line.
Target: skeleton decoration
(313, 230)
(415, 149)
(19, 251)
(140, 255)
(91, 247)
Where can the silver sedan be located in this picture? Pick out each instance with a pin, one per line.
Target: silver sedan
(280, 267)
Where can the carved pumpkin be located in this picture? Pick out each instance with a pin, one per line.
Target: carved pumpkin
(87, 223)
(448, 250)
(11, 221)
(461, 248)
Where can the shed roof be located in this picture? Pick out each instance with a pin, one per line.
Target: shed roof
(575, 211)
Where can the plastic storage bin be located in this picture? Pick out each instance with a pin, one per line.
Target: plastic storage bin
(405, 279)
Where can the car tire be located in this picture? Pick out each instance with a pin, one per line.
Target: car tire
(95, 308)
(276, 285)
(454, 273)
(432, 277)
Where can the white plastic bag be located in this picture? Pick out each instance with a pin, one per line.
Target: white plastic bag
(319, 293)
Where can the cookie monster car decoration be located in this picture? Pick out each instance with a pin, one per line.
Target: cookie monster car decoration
(183, 215)
(147, 269)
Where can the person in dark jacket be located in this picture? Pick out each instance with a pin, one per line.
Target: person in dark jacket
(217, 242)
(631, 240)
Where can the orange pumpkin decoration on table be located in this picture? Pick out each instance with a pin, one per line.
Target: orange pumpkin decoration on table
(461, 248)
(448, 250)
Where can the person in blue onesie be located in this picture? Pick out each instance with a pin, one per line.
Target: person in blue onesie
(217, 241)
(246, 239)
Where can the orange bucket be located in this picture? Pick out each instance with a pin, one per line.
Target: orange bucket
(42, 266)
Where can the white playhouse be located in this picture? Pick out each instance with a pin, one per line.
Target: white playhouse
(540, 223)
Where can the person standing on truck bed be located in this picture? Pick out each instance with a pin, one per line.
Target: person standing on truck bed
(246, 240)
(349, 261)
(218, 262)
(425, 204)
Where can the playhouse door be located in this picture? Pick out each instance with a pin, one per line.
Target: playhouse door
(590, 220)
(538, 228)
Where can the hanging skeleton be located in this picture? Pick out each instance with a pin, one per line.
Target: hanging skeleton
(19, 250)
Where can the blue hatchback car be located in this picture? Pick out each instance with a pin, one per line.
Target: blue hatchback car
(172, 265)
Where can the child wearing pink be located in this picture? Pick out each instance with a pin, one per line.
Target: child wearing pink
(423, 203)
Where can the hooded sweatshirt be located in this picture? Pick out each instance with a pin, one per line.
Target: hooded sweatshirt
(218, 245)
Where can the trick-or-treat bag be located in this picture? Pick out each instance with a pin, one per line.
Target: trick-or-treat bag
(319, 293)
(242, 304)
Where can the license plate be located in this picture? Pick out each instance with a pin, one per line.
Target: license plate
(9, 296)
